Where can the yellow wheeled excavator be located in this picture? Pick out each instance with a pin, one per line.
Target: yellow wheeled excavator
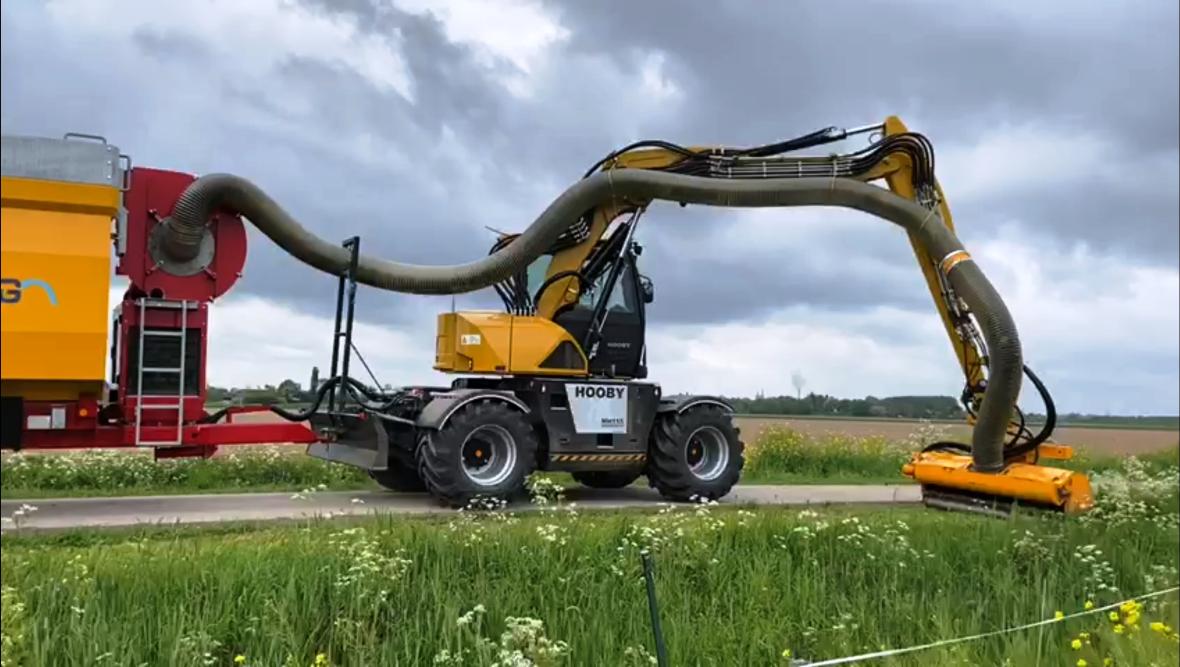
(589, 286)
(557, 381)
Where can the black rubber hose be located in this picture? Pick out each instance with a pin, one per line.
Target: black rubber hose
(1050, 419)
(354, 387)
(214, 417)
(215, 191)
(304, 415)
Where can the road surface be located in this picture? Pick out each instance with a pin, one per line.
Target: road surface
(63, 513)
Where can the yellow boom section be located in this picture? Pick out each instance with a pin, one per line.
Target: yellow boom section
(895, 170)
(55, 256)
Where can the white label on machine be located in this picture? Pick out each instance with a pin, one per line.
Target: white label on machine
(38, 422)
(469, 339)
(598, 408)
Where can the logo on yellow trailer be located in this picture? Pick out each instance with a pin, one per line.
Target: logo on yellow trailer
(12, 290)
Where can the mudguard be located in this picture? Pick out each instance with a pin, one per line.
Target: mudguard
(436, 413)
(682, 403)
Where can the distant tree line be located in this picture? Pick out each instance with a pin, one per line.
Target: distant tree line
(286, 392)
(909, 407)
(904, 407)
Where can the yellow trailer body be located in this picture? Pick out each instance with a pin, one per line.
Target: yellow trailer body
(55, 257)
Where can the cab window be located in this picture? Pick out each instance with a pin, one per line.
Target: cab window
(622, 298)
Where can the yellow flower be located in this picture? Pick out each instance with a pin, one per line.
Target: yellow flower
(786, 653)
(1119, 629)
(1107, 662)
(1114, 616)
(1076, 644)
(1132, 618)
(1059, 615)
(239, 659)
(1158, 626)
(1082, 662)
(321, 660)
(1089, 605)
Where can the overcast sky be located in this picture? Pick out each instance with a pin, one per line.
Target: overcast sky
(416, 124)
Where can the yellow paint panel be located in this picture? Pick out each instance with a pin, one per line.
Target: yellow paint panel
(54, 325)
(500, 344)
(28, 193)
(473, 342)
(534, 339)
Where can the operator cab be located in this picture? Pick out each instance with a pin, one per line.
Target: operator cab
(608, 320)
(620, 350)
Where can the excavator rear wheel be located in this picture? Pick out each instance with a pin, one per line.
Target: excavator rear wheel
(485, 451)
(607, 479)
(696, 454)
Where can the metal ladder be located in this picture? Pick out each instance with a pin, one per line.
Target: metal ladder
(178, 406)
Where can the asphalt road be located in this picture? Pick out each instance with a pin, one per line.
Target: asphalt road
(63, 513)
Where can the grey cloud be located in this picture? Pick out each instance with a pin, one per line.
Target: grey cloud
(168, 44)
(748, 73)
(756, 71)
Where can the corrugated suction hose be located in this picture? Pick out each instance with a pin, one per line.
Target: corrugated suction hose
(215, 191)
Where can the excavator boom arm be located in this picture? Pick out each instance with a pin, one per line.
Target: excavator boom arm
(896, 169)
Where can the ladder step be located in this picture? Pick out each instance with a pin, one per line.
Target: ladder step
(172, 402)
(165, 304)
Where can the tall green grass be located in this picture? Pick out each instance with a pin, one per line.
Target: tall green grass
(783, 454)
(735, 587)
(109, 472)
(778, 456)
(788, 456)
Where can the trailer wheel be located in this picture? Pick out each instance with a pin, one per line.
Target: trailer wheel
(398, 477)
(695, 455)
(606, 479)
(485, 450)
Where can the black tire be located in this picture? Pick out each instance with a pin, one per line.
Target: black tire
(606, 479)
(398, 478)
(707, 430)
(450, 459)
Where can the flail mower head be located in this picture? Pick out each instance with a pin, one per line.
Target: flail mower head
(950, 482)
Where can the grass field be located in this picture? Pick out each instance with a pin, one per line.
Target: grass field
(776, 455)
(564, 588)
(1093, 440)
(1154, 423)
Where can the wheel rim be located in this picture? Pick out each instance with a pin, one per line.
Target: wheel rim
(707, 453)
(488, 455)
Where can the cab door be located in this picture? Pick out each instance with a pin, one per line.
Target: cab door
(620, 350)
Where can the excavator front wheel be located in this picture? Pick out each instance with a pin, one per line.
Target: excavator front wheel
(485, 450)
(696, 454)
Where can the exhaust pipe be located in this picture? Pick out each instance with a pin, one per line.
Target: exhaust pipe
(185, 228)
